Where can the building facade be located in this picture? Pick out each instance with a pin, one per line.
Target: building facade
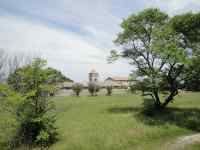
(118, 81)
(93, 76)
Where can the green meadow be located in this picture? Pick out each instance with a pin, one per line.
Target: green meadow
(117, 122)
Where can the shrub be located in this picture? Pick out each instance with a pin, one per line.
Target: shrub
(132, 88)
(93, 88)
(9, 124)
(42, 139)
(77, 88)
(109, 89)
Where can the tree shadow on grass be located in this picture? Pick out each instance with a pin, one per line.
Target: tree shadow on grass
(183, 117)
(124, 109)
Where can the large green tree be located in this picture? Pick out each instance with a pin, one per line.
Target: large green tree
(151, 44)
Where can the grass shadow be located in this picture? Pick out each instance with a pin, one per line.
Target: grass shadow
(123, 109)
(183, 117)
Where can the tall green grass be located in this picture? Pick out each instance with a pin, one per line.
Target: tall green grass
(115, 122)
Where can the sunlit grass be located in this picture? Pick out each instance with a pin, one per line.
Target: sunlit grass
(112, 123)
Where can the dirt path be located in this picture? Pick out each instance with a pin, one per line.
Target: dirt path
(184, 141)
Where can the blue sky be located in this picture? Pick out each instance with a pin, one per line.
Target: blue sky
(75, 36)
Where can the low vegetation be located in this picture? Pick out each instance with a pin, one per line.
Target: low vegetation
(93, 88)
(77, 88)
(109, 89)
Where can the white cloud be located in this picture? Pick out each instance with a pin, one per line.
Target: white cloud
(45, 26)
(94, 18)
(174, 7)
(67, 51)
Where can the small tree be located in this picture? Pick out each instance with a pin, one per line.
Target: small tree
(93, 88)
(109, 89)
(77, 88)
(35, 114)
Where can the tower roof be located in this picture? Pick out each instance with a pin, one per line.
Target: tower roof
(117, 78)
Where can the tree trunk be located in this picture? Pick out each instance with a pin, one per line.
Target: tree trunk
(170, 98)
(172, 82)
(157, 98)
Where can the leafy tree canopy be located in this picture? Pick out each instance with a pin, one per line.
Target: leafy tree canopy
(56, 76)
(188, 25)
(151, 43)
(22, 78)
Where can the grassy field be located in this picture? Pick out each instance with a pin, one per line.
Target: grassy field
(115, 123)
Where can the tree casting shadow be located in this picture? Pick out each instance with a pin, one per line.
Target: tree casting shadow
(183, 117)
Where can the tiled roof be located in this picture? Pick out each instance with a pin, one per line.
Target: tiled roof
(118, 78)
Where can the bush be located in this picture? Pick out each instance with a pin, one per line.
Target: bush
(9, 124)
(77, 88)
(109, 89)
(93, 88)
(132, 88)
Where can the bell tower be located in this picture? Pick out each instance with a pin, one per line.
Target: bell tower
(93, 76)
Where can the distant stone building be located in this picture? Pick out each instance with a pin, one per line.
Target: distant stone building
(118, 81)
(93, 76)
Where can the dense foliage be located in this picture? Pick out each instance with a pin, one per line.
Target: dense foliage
(56, 76)
(10, 101)
(52, 76)
(35, 115)
(188, 25)
(192, 75)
